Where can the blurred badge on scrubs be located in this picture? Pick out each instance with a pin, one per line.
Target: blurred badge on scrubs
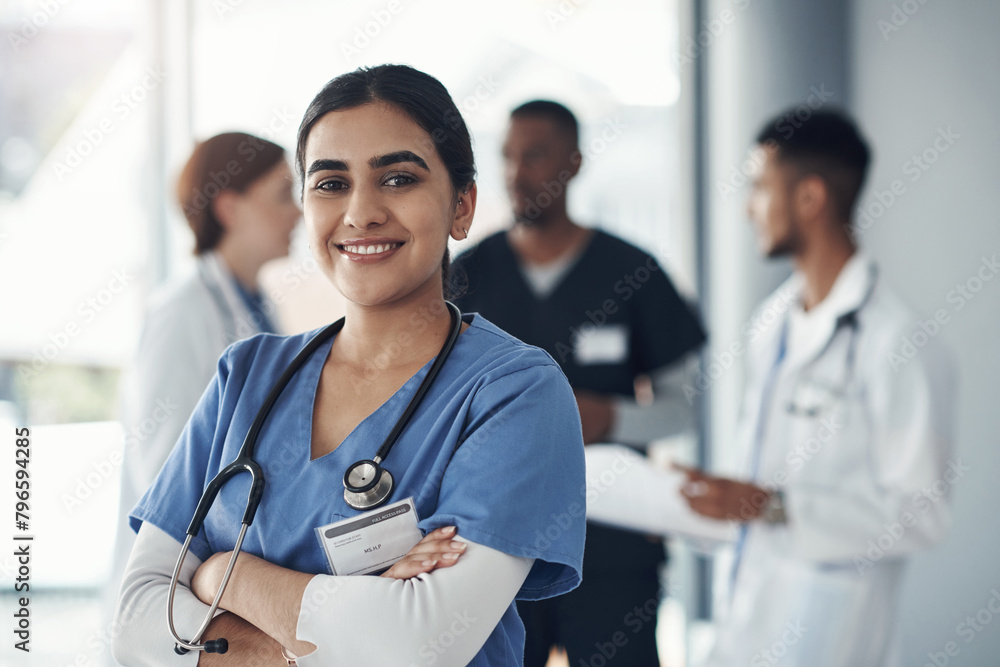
(370, 542)
(601, 345)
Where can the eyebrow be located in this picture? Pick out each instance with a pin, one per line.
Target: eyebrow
(395, 158)
(327, 165)
(376, 162)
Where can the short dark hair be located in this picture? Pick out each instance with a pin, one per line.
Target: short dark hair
(227, 161)
(560, 116)
(827, 144)
(420, 96)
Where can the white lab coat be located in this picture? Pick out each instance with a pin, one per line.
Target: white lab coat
(186, 328)
(865, 482)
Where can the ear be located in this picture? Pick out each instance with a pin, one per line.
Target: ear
(465, 210)
(576, 161)
(811, 198)
(224, 207)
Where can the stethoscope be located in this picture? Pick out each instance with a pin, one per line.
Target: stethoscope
(366, 483)
(211, 283)
(805, 385)
(848, 320)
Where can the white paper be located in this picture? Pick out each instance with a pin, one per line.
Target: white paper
(372, 541)
(626, 491)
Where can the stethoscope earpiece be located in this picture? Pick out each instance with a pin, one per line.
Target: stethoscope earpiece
(367, 485)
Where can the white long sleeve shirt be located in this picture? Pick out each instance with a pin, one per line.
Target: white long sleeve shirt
(442, 617)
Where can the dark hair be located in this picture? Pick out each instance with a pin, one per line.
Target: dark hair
(560, 116)
(827, 144)
(228, 161)
(420, 96)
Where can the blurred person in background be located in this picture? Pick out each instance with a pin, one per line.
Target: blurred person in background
(843, 443)
(609, 315)
(236, 192)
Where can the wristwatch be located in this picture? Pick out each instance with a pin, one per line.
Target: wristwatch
(774, 511)
(288, 656)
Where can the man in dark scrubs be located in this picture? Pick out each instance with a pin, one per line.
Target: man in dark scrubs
(608, 314)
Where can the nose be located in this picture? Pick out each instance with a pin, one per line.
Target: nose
(364, 208)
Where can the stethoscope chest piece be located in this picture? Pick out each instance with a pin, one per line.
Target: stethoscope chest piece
(366, 485)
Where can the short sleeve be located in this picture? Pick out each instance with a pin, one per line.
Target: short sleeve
(170, 502)
(516, 482)
(665, 327)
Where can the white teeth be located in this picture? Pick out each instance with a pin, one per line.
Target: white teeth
(370, 249)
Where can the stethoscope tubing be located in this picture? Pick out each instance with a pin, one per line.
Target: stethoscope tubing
(848, 319)
(244, 463)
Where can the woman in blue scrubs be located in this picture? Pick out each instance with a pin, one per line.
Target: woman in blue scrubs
(493, 458)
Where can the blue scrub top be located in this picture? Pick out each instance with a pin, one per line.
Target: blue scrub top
(495, 449)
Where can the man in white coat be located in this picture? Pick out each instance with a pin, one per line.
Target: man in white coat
(845, 442)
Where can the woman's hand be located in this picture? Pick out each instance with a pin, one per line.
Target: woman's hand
(436, 550)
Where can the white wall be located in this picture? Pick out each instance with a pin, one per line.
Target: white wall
(768, 56)
(939, 71)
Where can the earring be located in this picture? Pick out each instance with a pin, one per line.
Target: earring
(466, 231)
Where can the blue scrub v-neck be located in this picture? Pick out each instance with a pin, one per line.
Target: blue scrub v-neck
(313, 372)
(495, 449)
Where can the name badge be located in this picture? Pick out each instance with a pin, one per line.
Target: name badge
(372, 541)
(602, 345)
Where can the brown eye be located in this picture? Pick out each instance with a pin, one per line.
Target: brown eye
(330, 185)
(399, 180)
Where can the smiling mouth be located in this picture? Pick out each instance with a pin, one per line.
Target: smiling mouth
(369, 251)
